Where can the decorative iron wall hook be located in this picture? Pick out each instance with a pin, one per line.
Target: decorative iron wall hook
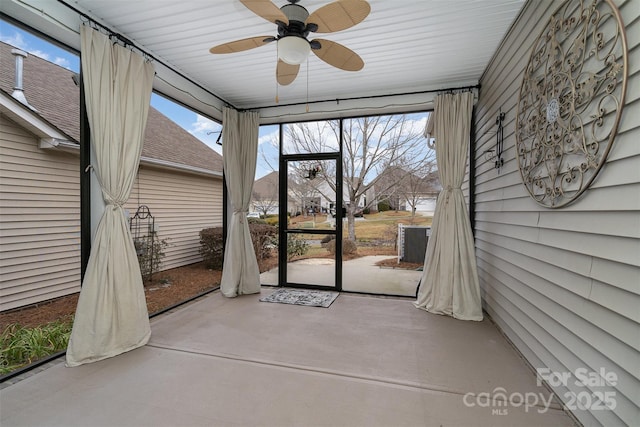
(499, 140)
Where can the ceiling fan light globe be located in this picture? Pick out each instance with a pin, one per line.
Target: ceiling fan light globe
(293, 50)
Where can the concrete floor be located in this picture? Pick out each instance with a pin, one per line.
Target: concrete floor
(364, 361)
(358, 275)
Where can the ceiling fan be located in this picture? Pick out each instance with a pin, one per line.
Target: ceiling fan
(294, 25)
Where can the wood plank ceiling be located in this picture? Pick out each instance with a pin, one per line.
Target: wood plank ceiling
(407, 46)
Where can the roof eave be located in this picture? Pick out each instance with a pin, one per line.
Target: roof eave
(31, 120)
(179, 167)
(52, 138)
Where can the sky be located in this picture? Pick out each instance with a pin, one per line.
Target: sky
(200, 127)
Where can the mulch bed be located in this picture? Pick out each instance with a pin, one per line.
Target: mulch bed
(393, 263)
(167, 288)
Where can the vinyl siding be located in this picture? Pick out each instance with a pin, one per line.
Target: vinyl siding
(563, 284)
(182, 205)
(40, 216)
(39, 220)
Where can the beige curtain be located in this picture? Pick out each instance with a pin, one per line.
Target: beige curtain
(111, 316)
(449, 284)
(240, 273)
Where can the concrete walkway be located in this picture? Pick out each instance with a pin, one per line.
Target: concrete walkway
(358, 275)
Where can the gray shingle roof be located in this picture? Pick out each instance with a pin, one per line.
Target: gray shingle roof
(51, 90)
(267, 186)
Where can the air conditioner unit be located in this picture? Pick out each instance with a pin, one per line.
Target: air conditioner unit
(412, 243)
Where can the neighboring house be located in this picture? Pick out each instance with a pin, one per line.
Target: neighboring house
(179, 179)
(304, 194)
(264, 199)
(408, 191)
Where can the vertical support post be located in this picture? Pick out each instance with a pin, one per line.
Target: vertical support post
(339, 201)
(472, 172)
(225, 211)
(85, 184)
(283, 218)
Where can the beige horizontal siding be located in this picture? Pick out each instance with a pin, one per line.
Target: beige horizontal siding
(39, 220)
(182, 205)
(40, 217)
(563, 284)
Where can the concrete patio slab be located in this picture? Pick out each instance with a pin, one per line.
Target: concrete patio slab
(364, 361)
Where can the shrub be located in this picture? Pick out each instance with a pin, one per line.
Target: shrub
(327, 238)
(212, 247)
(348, 247)
(150, 252)
(296, 246)
(272, 220)
(263, 237)
(212, 243)
(383, 206)
(256, 221)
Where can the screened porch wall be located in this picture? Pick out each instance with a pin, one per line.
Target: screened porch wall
(563, 284)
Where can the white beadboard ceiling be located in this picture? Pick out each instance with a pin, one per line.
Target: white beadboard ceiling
(409, 47)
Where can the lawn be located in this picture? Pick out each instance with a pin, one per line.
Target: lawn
(380, 226)
(384, 225)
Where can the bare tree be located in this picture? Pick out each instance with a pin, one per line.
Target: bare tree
(264, 203)
(370, 146)
(265, 193)
(413, 187)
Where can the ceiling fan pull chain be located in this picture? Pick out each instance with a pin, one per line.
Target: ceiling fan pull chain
(277, 83)
(307, 84)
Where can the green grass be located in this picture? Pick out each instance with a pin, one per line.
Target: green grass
(20, 346)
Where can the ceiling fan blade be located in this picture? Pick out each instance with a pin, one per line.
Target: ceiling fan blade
(339, 15)
(240, 45)
(267, 10)
(338, 55)
(286, 73)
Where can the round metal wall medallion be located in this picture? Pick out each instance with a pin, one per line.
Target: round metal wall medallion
(571, 99)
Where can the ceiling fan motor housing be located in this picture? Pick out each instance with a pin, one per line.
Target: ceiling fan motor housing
(297, 15)
(293, 46)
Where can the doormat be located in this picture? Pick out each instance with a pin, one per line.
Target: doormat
(302, 297)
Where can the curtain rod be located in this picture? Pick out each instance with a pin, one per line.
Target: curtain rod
(128, 42)
(357, 98)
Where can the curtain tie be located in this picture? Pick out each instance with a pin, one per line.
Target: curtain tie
(241, 211)
(449, 189)
(115, 204)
